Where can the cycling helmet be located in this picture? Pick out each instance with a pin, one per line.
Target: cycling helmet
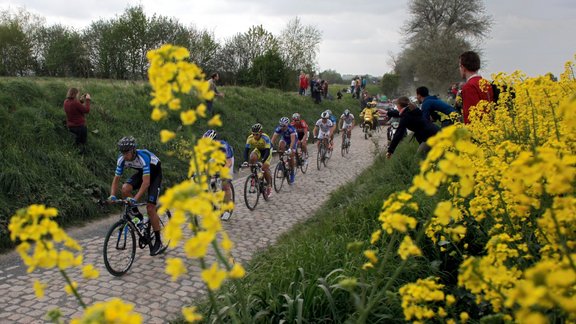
(329, 111)
(210, 133)
(284, 121)
(346, 112)
(256, 128)
(296, 116)
(325, 115)
(126, 144)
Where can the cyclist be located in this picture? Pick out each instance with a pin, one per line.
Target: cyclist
(346, 123)
(323, 127)
(227, 149)
(288, 140)
(370, 115)
(334, 121)
(302, 129)
(148, 178)
(258, 146)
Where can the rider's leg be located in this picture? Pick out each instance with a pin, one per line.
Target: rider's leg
(267, 175)
(226, 187)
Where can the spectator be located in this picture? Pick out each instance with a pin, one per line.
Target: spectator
(213, 79)
(325, 89)
(339, 94)
(432, 106)
(411, 118)
(75, 121)
(306, 84)
(472, 92)
(352, 86)
(302, 83)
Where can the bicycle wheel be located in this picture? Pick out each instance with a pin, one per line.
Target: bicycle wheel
(251, 192)
(343, 149)
(320, 156)
(348, 145)
(164, 218)
(264, 189)
(303, 164)
(279, 176)
(366, 130)
(119, 248)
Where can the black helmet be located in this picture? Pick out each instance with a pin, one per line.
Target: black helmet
(126, 144)
(256, 128)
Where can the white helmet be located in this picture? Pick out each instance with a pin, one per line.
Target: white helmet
(325, 115)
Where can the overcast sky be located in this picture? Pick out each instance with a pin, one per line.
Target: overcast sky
(358, 37)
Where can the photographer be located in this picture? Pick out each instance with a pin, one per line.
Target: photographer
(75, 121)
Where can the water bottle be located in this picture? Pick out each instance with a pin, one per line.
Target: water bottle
(142, 224)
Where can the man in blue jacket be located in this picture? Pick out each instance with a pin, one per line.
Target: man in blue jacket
(432, 106)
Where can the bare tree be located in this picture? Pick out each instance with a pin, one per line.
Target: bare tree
(299, 45)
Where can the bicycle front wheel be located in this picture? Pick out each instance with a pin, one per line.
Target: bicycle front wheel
(119, 248)
(251, 192)
(304, 164)
(320, 156)
(279, 176)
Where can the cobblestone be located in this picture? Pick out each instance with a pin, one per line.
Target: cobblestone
(146, 285)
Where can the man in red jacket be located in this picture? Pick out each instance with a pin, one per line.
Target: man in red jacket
(75, 120)
(474, 90)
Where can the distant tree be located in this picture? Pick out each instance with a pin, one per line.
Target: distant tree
(269, 70)
(332, 77)
(203, 49)
(61, 52)
(16, 43)
(389, 84)
(299, 45)
(435, 34)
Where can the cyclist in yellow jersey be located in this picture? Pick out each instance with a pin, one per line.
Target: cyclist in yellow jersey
(258, 147)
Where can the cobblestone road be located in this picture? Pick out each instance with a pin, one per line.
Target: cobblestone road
(146, 285)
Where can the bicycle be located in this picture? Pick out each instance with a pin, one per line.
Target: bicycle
(215, 185)
(322, 158)
(282, 171)
(301, 162)
(120, 242)
(255, 185)
(345, 143)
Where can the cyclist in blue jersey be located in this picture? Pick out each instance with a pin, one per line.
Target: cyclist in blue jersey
(147, 179)
(227, 149)
(288, 140)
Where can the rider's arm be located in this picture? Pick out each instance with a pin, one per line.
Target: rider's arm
(246, 152)
(315, 131)
(294, 140)
(114, 185)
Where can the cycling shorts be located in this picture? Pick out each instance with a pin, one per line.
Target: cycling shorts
(322, 135)
(155, 182)
(259, 156)
(301, 135)
(346, 125)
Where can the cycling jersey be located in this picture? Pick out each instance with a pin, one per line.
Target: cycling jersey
(227, 149)
(286, 134)
(300, 126)
(347, 121)
(144, 161)
(324, 127)
(263, 145)
(333, 119)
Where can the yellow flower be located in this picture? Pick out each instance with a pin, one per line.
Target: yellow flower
(175, 267)
(367, 265)
(375, 236)
(408, 248)
(166, 135)
(158, 114)
(70, 288)
(227, 244)
(348, 283)
(215, 121)
(174, 104)
(189, 117)
(39, 289)
(89, 272)
(237, 271)
(201, 110)
(371, 255)
(464, 317)
(190, 314)
(213, 277)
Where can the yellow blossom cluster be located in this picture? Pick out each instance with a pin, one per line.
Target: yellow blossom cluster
(511, 176)
(112, 311)
(43, 244)
(418, 298)
(193, 205)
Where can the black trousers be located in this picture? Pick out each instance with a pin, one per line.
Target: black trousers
(81, 133)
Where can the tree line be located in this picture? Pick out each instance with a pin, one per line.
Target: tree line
(116, 48)
(435, 33)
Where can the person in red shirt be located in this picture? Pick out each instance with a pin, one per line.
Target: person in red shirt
(302, 130)
(303, 83)
(75, 111)
(472, 91)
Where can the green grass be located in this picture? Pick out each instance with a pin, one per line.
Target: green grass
(41, 165)
(306, 263)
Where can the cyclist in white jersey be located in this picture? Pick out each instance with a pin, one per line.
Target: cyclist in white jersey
(346, 123)
(323, 127)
